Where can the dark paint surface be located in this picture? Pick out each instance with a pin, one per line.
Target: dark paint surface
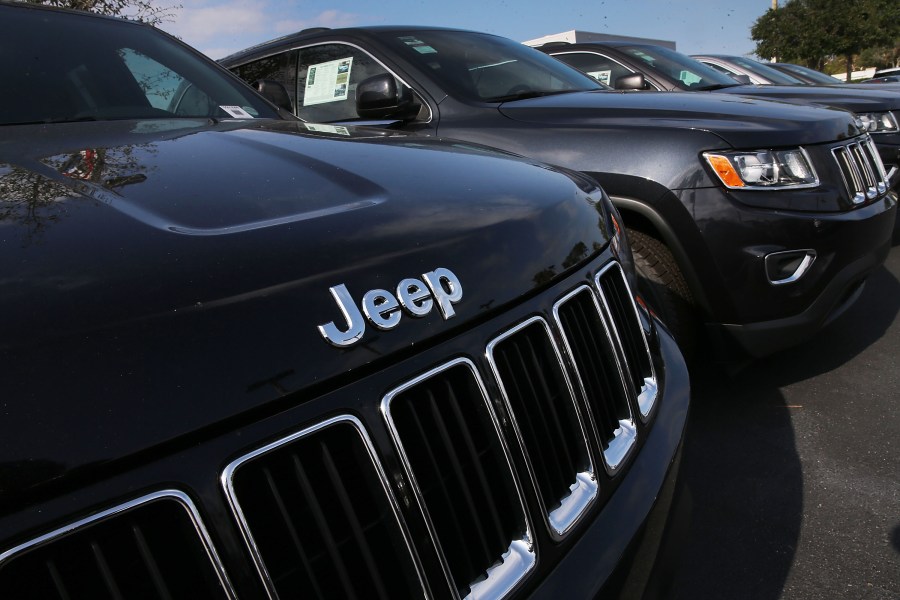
(163, 277)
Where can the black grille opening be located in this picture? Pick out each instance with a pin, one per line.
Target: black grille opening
(595, 360)
(630, 333)
(531, 374)
(861, 170)
(321, 521)
(151, 551)
(447, 435)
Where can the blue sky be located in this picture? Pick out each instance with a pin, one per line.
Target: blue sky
(220, 27)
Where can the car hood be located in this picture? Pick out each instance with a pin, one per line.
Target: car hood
(852, 99)
(157, 279)
(741, 122)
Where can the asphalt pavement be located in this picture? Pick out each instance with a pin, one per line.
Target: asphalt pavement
(794, 465)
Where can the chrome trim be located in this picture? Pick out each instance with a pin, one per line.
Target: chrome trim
(502, 578)
(799, 272)
(646, 400)
(861, 161)
(626, 434)
(606, 56)
(171, 494)
(585, 488)
(227, 481)
(323, 43)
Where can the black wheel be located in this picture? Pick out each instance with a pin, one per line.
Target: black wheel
(662, 284)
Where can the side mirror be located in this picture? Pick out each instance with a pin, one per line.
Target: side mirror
(275, 93)
(635, 81)
(742, 79)
(379, 97)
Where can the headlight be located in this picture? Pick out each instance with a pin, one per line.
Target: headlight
(763, 169)
(878, 122)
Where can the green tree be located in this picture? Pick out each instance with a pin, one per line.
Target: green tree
(812, 30)
(138, 10)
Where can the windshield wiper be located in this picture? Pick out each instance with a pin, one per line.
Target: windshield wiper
(715, 86)
(526, 94)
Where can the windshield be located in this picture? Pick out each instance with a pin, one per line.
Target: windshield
(690, 74)
(60, 67)
(485, 68)
(812, 74)
(773, 75)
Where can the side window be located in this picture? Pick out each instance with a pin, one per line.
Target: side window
(326, 81)
(281, 68)
(602, 68)
(720, 68)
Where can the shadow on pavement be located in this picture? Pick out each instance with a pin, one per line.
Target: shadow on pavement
(741, 459)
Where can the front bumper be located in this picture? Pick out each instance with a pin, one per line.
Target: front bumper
(743, 302)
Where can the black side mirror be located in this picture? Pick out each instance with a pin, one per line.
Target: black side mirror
(379, 97)
(275, 93)
(635, 81)
(742, 79)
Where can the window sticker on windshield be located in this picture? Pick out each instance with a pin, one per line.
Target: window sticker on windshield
(601, 76)
(339, 130)
(417, 45)
(237, 112)
(327, 81)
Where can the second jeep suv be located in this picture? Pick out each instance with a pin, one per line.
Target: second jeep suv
(760, 219)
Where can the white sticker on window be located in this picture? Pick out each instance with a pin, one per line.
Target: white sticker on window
(237, 112)
(601, 76)
(327, 82)
(339, 130)
(417, 45)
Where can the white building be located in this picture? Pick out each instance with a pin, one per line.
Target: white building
(575, 36)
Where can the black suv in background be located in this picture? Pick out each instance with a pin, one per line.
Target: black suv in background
(246, 357)
(761, 218)
(629, 66)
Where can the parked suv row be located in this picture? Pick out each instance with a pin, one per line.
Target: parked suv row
(754, 222)
(246, 356)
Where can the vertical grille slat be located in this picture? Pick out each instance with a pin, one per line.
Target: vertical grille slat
(159, 583)
(542, 407)
(629, 332)
(598, 363)
(861, 169)
(461, 481)
(355, 526)
(155, 546)
(325, 530)
(447, 435)
(322, 495)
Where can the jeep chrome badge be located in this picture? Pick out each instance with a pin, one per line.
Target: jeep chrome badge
(383, 309)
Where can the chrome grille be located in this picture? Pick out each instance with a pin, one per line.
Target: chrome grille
(630, 335)
(317, 514)
(598, 367)
(451, 446)
(153, 547)
(317, 509)
(862, 170)
(546, 419)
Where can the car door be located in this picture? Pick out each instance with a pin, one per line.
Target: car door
(603, 68)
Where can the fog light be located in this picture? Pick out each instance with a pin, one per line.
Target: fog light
(788, 266)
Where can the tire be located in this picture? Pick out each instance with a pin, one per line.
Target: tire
(664, 287)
